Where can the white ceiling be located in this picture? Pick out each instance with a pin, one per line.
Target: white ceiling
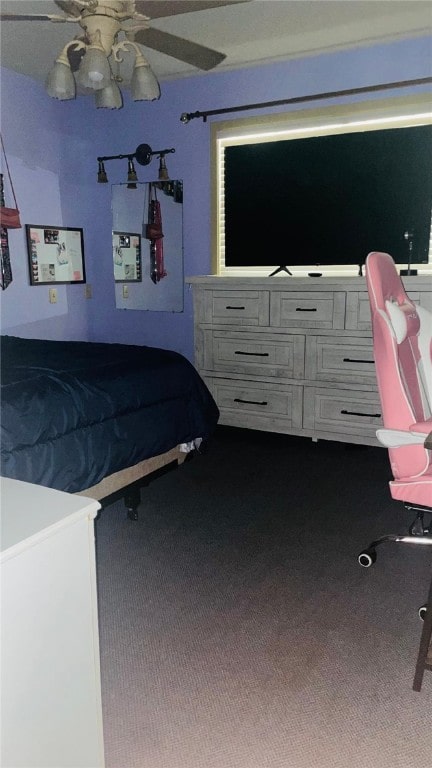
(248, 33)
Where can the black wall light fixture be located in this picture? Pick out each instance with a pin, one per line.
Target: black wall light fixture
(143, 155)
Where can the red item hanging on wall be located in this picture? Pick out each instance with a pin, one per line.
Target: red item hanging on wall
(5, 263)
(154, 233)
(9, 217)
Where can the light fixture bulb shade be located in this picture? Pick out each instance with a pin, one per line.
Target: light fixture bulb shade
(163, 170)
(94, 72)
(109, 97)
(60, 82)
(131, 176)
(144, 86)
(102, 176)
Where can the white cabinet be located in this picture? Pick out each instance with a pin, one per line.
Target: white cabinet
(51, 713)
(292, 355)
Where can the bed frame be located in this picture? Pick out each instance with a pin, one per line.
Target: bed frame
(127, 482)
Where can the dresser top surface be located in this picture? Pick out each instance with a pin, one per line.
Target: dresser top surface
(287, 283)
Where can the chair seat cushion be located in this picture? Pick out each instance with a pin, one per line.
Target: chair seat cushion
(417, 491)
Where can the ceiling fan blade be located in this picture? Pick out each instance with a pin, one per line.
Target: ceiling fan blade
(158, 9)
(70, 8)
(29, 17)
(177, 47)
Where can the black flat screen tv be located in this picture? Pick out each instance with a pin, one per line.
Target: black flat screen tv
(329, 200)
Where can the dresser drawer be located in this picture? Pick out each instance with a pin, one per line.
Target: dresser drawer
(249, 403)
(345, 360)
(358, 315)
(292, 309)
(259, 354)
(235, 307)
(424, 299)
(342, 411)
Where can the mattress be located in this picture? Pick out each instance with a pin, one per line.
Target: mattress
(74, 412)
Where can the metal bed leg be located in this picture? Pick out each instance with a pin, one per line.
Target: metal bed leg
(424, 658)
(132, 500)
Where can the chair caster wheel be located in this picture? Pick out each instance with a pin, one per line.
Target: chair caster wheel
(422, 611)
(367, 558)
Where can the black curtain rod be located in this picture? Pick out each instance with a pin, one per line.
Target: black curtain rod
(187, 116)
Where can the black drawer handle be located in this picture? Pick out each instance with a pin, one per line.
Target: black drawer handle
(353, 360)
(254, 354)
(250, 402)
(235, 307)
(355, 413)
(306, 309)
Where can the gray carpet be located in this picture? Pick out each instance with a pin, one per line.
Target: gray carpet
(237, 629)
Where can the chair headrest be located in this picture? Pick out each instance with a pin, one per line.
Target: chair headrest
(404, 319)
(383, 281)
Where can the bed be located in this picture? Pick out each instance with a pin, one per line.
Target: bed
(98, 419)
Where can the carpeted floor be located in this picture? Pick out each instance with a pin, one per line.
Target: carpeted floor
(237, 628)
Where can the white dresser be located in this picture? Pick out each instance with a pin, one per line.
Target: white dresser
(292, 355)
(51, 713)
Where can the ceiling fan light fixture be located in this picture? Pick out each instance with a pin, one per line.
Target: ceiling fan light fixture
(109, 97)
(101, 23)
(60, 82)
(94, 72)
(144, 85)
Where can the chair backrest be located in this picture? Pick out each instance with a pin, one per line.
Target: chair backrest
(402, 339)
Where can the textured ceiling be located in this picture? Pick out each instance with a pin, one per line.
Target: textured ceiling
(248, 33)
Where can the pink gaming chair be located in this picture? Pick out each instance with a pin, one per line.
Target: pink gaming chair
(402, 341)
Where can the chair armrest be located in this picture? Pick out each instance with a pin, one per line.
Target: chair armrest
(395, 438)
(424, 427)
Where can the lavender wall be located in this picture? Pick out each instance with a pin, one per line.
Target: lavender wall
(33, 141)
(53, 147)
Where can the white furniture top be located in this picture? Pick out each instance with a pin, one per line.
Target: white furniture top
(32, 511)
(51, 715)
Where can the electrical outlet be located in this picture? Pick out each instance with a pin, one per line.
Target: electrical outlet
(125, 291)
(53, 295)
(88, 291)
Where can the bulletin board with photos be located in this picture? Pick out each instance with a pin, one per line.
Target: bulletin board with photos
(56, 254)
(127, 257)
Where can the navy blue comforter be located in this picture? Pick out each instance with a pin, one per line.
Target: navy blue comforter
(74, 412)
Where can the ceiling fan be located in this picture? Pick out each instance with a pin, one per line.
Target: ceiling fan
(95, 53)
(134, 19)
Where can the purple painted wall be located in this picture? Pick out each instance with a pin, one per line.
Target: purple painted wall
(52, 148)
